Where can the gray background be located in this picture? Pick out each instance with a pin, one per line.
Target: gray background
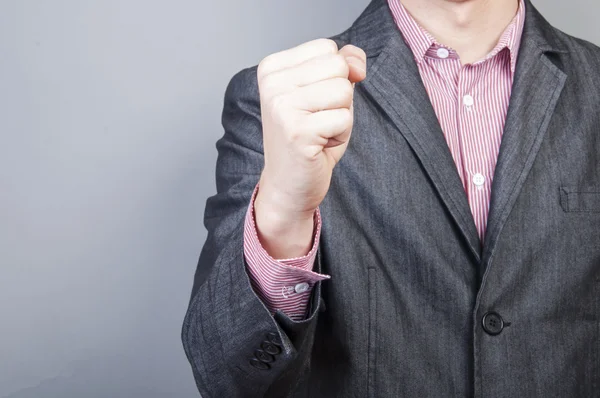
(109, 111)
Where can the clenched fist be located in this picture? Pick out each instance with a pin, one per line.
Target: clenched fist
(306, 98)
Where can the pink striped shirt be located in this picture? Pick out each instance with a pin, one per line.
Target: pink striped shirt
(471, 103)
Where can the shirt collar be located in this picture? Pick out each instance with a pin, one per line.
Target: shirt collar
(421, 41)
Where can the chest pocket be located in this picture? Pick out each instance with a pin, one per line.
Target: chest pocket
(580, 199)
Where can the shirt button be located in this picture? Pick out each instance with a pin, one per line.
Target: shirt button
(468, 100)
(478, 179)
(443, 52)
(301, 287)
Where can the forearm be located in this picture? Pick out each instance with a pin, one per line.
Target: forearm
(282, 284)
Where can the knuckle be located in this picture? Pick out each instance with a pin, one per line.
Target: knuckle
(328, 45)
(356, 51)
(346, 117)
(345, 90)
(310, 152)
(339, 65)
(362, 52)
(264, 66)
(260, 70)
(294, 133)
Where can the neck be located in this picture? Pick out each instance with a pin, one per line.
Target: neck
(471, 27)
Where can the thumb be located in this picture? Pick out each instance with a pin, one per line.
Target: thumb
(357, 62)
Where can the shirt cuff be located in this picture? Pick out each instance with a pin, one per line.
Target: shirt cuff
(282, 284)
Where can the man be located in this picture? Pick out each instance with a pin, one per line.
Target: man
(409, 210)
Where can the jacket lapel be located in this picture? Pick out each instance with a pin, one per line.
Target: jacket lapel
(537, 86)
(394, 82)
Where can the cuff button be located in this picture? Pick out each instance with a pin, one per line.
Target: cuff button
(301, 287)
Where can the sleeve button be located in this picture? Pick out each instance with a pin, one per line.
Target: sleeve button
(270, 348)
(263, 356)
(259, 365)
(274, 338)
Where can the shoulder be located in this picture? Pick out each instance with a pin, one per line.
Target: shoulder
(583, 54)
(579, 45)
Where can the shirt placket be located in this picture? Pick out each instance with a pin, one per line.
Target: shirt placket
(472, 131)
(446, 68)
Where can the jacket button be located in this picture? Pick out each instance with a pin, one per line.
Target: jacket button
(263, 356)
(270, 348)
(273, 338)
(492, 323)
(259, 365)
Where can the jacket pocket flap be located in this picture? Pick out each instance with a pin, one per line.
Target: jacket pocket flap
(580, 199)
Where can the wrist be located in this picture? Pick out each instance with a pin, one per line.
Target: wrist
(282, 209)
(283, 235)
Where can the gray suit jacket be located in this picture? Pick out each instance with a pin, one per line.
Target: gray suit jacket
(416, 307)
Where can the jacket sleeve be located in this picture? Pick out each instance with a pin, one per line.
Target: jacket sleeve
(235, 346)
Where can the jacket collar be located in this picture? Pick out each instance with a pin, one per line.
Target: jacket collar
(394, 82)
